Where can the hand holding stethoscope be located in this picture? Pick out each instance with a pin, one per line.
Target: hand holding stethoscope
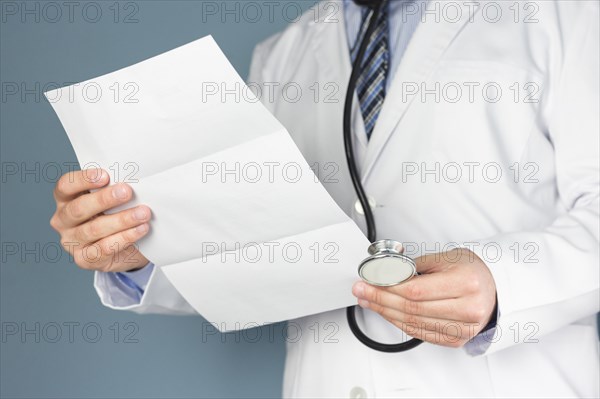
(454, 297)
(448, 303)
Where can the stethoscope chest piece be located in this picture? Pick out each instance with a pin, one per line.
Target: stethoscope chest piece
(387, 265)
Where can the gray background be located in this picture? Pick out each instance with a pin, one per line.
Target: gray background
(42, 290)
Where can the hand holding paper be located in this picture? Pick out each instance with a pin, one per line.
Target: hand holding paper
(94, 239)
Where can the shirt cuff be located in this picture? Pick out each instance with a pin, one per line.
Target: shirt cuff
(139, 277)
(123, 289)
(480, 343)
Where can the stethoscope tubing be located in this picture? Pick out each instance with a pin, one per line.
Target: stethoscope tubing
(359, 189)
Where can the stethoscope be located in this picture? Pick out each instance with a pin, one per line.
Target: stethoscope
(386, 265)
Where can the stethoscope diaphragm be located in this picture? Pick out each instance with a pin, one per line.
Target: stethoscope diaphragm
(387, 265)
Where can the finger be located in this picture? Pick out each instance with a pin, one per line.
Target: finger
(106, 225)
(450, 309)
(453, 328)
(102, 254)
(432, 287)
(72, 184)
(86, 206)
(434, 337)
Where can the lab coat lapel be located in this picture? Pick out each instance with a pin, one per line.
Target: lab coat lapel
(333, 55)
(427, 46)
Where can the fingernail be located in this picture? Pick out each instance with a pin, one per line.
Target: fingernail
(92, 175)
(140, 213)
(102, 178)
(363, 304)
(142, 228)
(120, 192)
(358, 289)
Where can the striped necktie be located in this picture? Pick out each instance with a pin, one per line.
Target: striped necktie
(375, 64)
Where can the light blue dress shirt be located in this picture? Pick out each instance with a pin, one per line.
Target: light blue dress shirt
(404, 17)
(131, 284)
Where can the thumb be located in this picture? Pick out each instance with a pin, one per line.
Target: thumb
(430, 263)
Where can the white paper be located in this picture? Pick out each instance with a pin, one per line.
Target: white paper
(223, 178)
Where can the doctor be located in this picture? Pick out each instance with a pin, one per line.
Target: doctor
(477, 137)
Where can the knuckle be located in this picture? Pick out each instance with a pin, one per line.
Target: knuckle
(413, 292)
(473, 283)
(106, 267)
(378, 308)
(92, 253)
(80, 260)
(81, 234)
(86, 232)
(127, 252)
(476, 313)
(54, 222)
(77, 236)
(104, 248)
(385, 312)
(125, 220)
(91, 175)
(411, 320)
(93, 229)
(129, 237)
(412, 307)
(376, 296)
(369, 292)
(63, 183)
(105, 198)
(74, 209)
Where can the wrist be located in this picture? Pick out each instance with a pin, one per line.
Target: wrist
(136, 264)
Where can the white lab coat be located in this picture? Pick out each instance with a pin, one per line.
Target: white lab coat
(546, 224)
